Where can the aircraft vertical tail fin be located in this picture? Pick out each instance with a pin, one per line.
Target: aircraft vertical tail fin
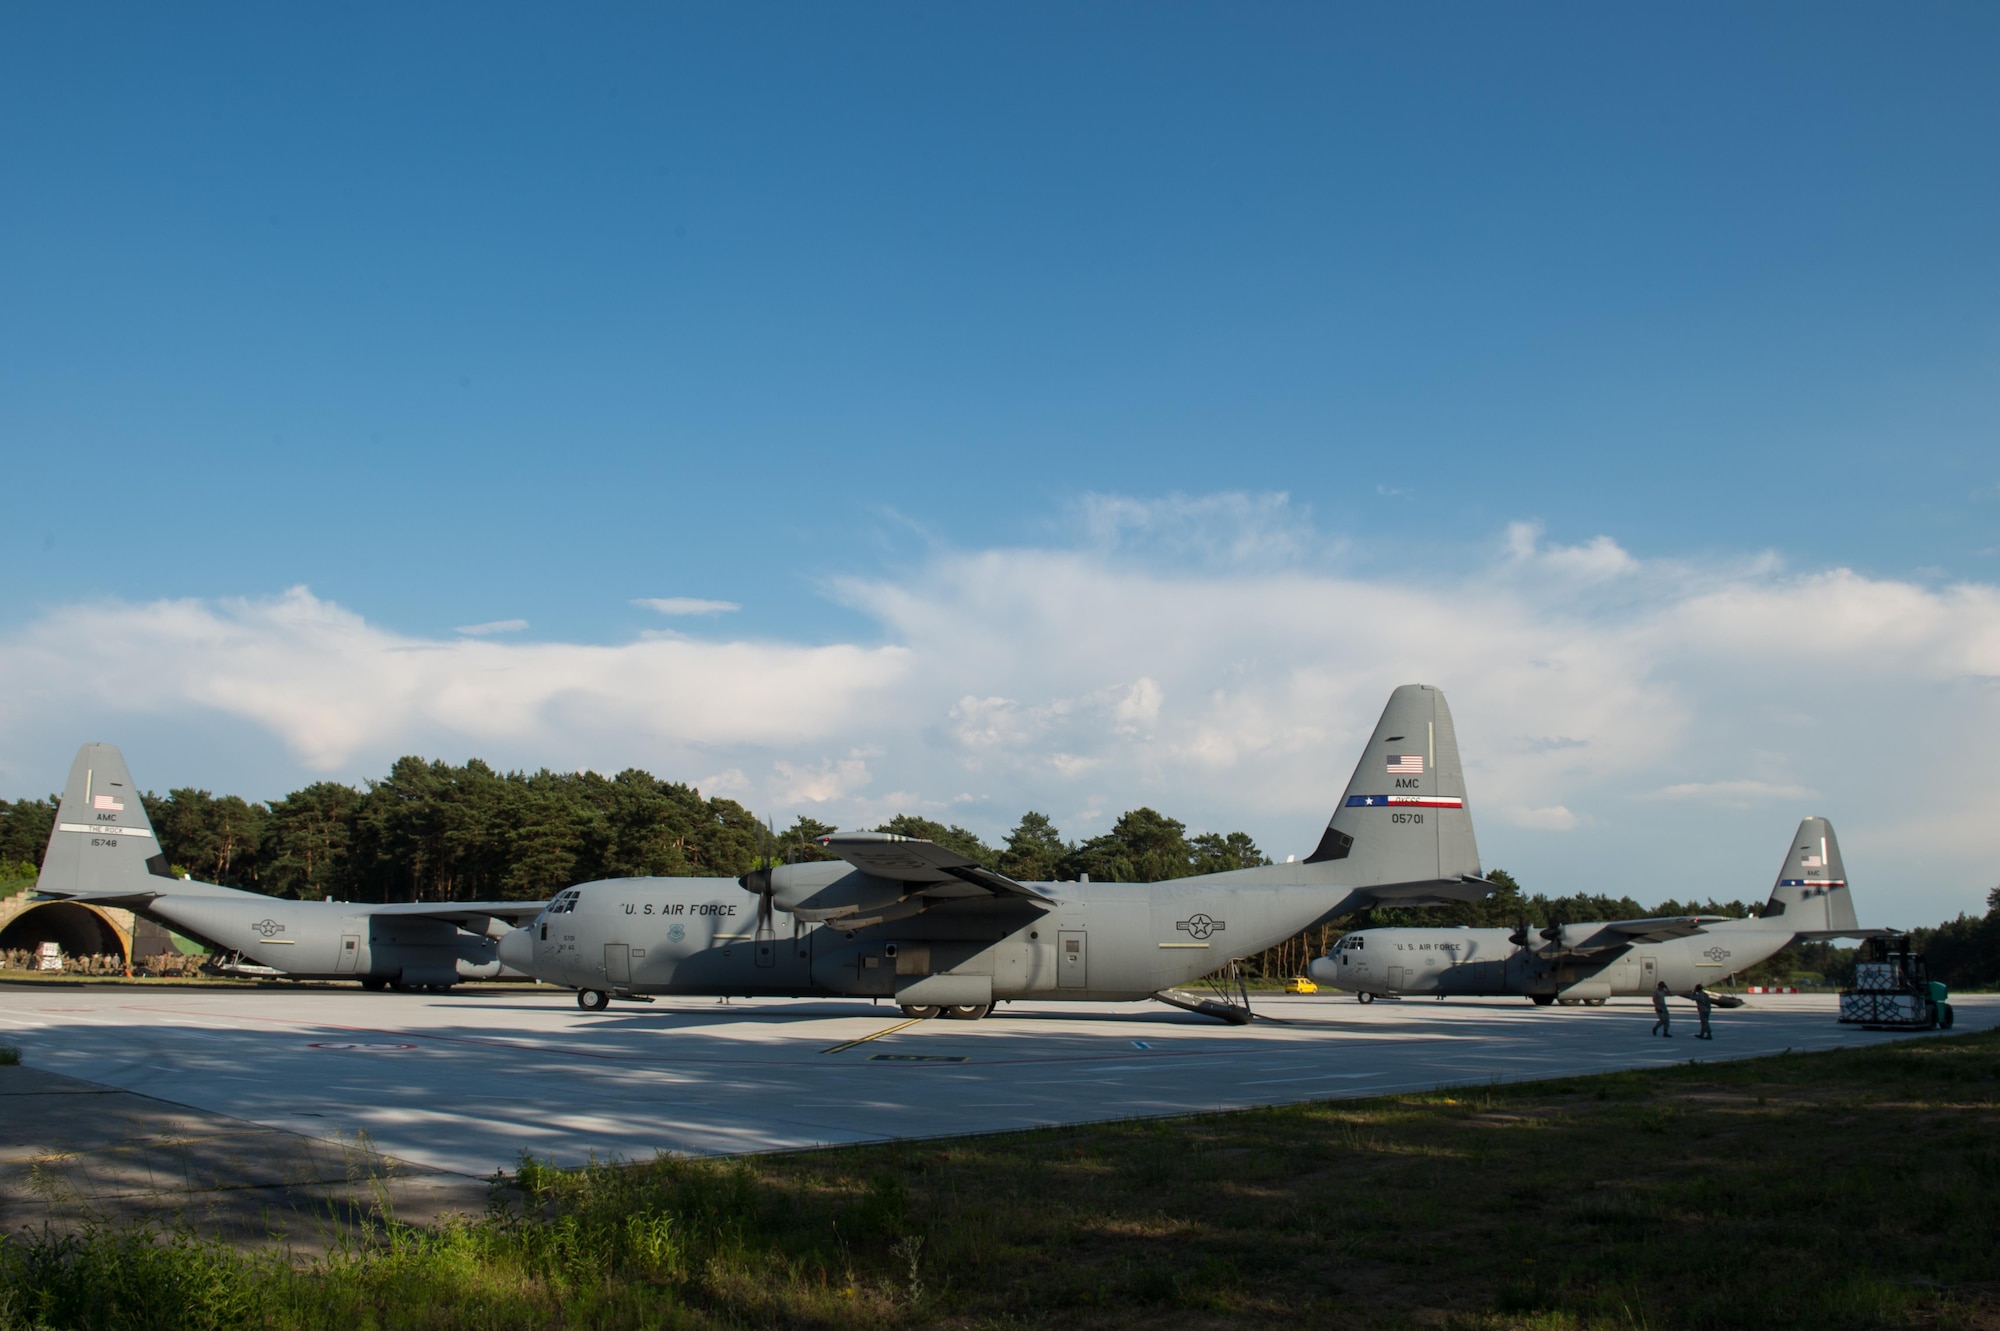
(1811, 894)
(102, 841)
(1404, 817)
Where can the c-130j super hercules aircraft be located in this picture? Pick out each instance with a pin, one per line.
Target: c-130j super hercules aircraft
(908, 920)
(102, 852)
(1590, 962)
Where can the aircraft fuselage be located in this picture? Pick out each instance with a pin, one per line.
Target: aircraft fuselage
(329, 940)
(1487, 963)
(1095, 941)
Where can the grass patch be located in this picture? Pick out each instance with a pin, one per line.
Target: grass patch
(1841, 1190)
(10, 1057)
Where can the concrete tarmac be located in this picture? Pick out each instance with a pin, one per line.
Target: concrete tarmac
(468, 1082)
(73, 1152)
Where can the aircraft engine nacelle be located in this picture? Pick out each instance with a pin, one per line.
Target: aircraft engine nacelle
(478, 957)
(836, 894)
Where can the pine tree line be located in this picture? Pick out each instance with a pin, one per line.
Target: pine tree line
(431, 831)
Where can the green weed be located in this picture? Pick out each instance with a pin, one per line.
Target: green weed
(1846, 1190)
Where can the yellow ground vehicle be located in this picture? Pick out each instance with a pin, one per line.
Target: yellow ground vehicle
(1299, 984)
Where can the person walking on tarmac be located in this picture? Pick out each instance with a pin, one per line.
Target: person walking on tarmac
(1662, 1025)
(1702, 1003)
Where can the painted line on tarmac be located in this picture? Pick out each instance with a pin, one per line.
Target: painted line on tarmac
(901, 1025)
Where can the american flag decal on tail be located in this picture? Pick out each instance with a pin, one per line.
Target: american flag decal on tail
(1406, 764)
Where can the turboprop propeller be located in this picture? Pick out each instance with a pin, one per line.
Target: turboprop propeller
(759, 881)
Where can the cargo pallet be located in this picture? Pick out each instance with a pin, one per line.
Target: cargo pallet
(1893, 990)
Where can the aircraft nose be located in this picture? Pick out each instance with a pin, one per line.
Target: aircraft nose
(517, 950)
(1324, 970)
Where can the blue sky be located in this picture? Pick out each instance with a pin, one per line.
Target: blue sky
(463, 315)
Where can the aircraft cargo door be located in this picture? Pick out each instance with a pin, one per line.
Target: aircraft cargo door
(618, 965)
(350, 952)
(1072, 960)
(1649, 971)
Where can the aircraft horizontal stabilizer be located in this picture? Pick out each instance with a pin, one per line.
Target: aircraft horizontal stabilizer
(1438, 892)
(466, 914)
(113, 897)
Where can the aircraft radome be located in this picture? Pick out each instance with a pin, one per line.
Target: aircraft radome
(1590, 962)
(910, 921)
(103, 852)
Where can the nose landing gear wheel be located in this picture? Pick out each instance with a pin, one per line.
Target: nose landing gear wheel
(592, 1000)
(919, 1011)
(968, 1012)
(1364, 998)
(1543, 1000)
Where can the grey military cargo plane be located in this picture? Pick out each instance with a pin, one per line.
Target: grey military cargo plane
(908, 920)
(1588, 963)
(102, 852)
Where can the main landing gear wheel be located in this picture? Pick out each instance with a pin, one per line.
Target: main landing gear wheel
(1364, 998)
(919, 1011)
(374, 985)
(968, 1011)
(592, 1000)
(1543, 1000)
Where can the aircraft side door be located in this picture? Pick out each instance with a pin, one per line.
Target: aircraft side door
(1649, 972)
(1072, 959)
(618, 965)
(350, 952)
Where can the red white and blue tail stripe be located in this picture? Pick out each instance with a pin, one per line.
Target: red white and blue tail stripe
(1404, 802)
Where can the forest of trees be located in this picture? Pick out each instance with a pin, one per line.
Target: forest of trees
(431, 831)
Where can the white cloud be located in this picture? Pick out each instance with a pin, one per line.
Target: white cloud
(496, 626)
(1599, 559)
(1731, 794)
(332, 686)
(1209, 657)
(820, 783)
(1553, 818)
(686, 605)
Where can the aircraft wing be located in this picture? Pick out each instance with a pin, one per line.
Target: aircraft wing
(471, 915)
(1616, 935)
(936, 870)
(1661, 928)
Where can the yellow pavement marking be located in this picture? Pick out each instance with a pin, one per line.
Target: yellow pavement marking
(887, 1030)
